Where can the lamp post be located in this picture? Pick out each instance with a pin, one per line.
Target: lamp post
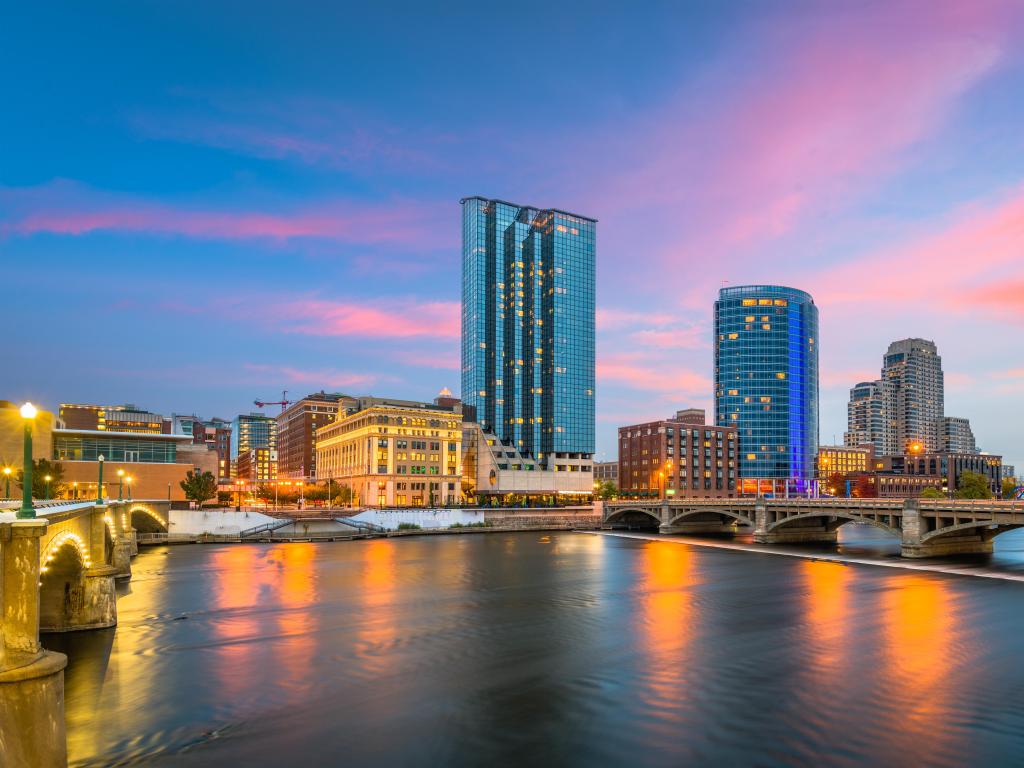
(46, 496)
(74, 491)
(27, 511)
(7, 482)
(128, 480)
(99, 482)
(120, 485)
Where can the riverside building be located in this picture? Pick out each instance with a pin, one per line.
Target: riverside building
(766, 384)
(527, 349)
(679, 457)
(297, 427)
(394, 453)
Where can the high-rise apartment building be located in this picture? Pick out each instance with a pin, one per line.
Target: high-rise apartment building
(866, 418)
(912, 376)
(251, 432)
(297, 429)
(766, 384)
(528, 333)
(956, 435)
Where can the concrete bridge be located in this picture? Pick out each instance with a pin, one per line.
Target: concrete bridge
(57, 574)
(925, 527)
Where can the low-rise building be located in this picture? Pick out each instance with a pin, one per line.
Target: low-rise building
(843, 460)
(394, 453)
(111, 418)
(497, 471)
(153, 464)
(681, 457)
(606, 472)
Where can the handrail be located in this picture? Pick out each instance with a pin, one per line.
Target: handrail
(266, 527)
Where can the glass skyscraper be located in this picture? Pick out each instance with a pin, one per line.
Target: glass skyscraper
(766, 383)
(528, 326)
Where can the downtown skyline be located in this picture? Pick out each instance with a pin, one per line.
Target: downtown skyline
(192, 233)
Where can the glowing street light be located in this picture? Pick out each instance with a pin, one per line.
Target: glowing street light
(27, 511)
(120, 485)
(48, 478)
(99, 482)
(7, 482)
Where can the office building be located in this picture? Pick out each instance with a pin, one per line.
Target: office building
(678, 458)
(394, 453)
(297, 428)
(256, 466)
(956, 435)
(766, 384)
(251, 431)
(912, 373)
(528, 342)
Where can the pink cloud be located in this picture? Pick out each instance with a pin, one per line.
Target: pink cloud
(651, 375)
(610, 319)
(65, 208)
(313, 378)
(385, 318)
(951, 268)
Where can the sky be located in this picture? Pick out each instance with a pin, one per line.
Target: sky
(204, 204)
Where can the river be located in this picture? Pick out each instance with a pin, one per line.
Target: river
(548, 649)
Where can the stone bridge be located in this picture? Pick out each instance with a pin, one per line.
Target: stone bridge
(925, 527)
(57, 574)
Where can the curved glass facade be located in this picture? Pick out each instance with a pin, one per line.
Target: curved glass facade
(766, 382)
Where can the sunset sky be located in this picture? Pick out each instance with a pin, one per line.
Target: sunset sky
(202, 204)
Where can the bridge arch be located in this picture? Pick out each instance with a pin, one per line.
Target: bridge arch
(62, 590)
(841, 519)
(986, 529)
(721, 513)
(639, 516)
(146, 520)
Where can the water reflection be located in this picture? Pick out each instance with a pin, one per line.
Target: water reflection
(666, 627)
(921, 646)
(376, 620)
(296, 595)
(827, 615)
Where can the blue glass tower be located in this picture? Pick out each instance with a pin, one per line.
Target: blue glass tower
(528, 326)
(766, 383)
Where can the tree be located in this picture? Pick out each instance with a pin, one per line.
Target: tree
(344, 496)
(865, 488)
(836, 484)
(199, 486)
(607, 490)
(40, 469)
(1009, 486)
(973, 486)
(931, 492)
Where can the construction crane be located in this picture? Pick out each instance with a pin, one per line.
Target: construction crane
(284, 402)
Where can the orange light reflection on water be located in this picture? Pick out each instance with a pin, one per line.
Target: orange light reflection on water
(921, 633)
(667, 575)
(828, 607)
(377, 622)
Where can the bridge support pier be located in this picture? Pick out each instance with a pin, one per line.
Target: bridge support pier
(969, 542)
(31, 679)
(89, 602)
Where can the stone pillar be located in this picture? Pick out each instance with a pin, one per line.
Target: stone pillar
(760, 519)
(973, 541)
(31, 679)
(121, 555)
(90, 602)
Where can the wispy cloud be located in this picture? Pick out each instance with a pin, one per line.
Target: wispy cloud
(386, 318)
(322, 377)
(68, 208)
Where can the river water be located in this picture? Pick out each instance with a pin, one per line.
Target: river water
(547, 649)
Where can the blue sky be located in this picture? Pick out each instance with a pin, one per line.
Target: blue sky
(204, 204)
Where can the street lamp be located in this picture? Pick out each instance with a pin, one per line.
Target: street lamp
(7, 482)
(99, 482)
(120, 485)
(129, 481)
(75, 491)
(48, 478)
(27, 511)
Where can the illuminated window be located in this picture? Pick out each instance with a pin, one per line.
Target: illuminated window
(751, 457)
(734, 335)
(750, 302)
(780, 375)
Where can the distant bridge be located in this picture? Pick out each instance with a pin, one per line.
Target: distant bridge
(925, 527)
